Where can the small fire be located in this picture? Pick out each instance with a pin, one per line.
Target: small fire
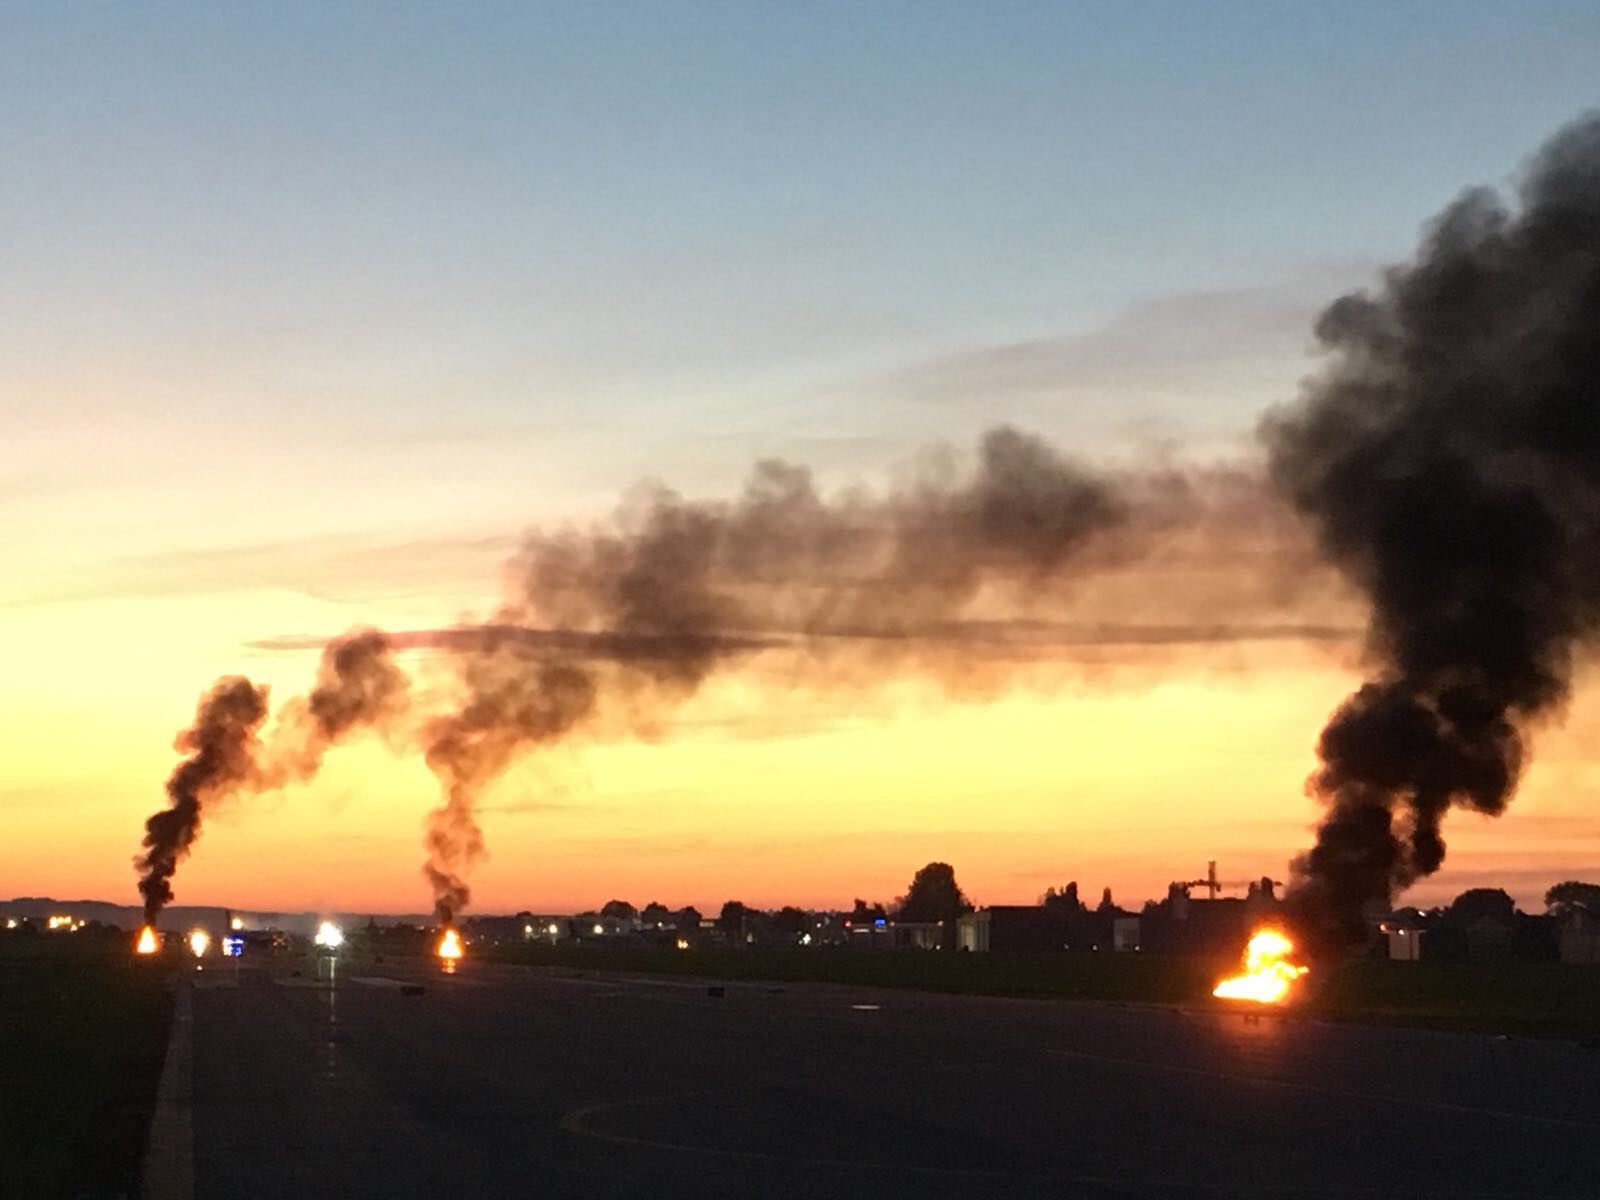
(449, 948)
(147, 943)
(1268, 975)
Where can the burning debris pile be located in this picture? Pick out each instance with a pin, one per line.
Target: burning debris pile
(1269, 976)
(449, 948)
(1449, 461)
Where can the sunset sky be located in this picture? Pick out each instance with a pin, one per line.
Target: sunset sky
(308, 315)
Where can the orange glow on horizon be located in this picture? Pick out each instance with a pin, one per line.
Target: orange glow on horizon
(147, 943)
(749, 793)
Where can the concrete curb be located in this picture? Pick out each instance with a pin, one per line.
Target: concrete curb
(169, 1156)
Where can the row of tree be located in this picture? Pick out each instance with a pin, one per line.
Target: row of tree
(933, 895)
(1496, 904)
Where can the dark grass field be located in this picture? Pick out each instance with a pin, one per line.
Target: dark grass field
(1533, 999)
(83, 1031)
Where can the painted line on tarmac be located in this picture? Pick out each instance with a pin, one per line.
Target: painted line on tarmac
(169, 1155)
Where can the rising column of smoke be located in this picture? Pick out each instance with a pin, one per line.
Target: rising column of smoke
(513, 701)
(357, 684)
(1449, 461)
(636, 616)
(221, 745)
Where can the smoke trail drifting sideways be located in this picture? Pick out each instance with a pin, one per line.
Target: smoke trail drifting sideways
(697, 582)
(358, 685)
(513, 702)
(222, 746)
(1449, 460)
(637, 615)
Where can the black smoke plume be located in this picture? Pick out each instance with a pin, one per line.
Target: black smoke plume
(358, 684)
(221, 745)
(1448, 459)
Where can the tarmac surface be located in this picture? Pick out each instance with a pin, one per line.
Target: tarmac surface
(506, 1081)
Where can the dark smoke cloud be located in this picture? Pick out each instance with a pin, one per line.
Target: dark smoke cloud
(963, 572)
(635, 616)
(1449, 461)
(703, 580)
(221, 745)
(358, 684)
(513, 701)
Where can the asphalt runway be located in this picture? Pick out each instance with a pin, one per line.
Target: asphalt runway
(503, 1081)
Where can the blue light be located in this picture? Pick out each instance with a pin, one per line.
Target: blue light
(232, 946)
(880, 922)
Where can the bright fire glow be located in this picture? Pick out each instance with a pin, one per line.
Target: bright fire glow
(450, 945)
(329, 935)
(199, 943)
(147, 943)
(1268, 975)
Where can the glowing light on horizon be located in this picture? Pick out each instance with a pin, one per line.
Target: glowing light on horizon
(147, 943)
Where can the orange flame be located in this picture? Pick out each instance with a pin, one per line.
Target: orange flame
(1268, 975)
(147, 943)
(449, 946)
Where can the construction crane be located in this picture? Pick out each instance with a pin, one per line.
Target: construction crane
(1214, 885)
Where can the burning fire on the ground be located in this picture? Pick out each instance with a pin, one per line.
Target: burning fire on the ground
(449, 949)
(148, 942)
(1269, 976)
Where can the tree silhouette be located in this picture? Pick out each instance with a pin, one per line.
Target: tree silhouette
(1066, 900)
(789, 919)
(1476, 903)
(619, 910)
(1566, 897)
(933, 895)
(865, 914)
(731, 922)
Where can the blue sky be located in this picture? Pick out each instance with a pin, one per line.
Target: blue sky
(453, 269)
(669, 212)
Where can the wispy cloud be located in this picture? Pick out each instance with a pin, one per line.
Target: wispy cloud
(350, 567)
(1212, 356)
